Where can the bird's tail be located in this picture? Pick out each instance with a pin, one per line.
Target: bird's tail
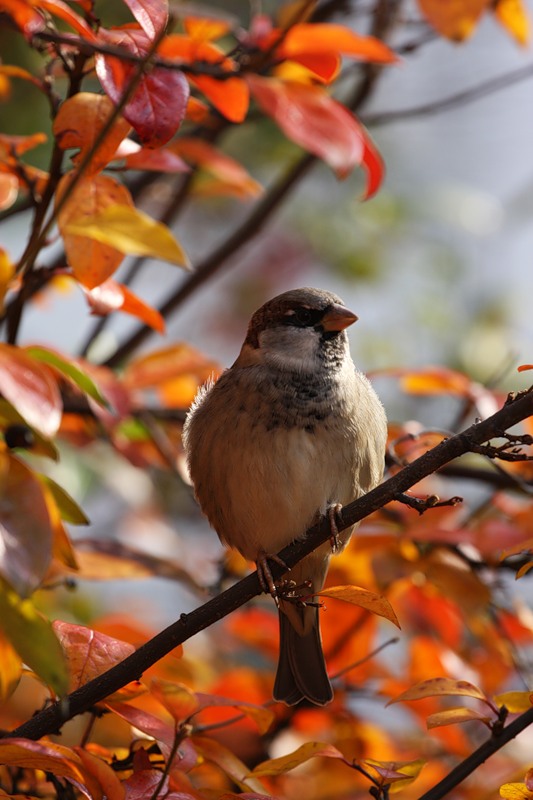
(301, 668)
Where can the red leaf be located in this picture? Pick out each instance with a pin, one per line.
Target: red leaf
(152, 15)
(25, 527)
(318, 123)
(162, 160)
(31, 389)
(159, 102)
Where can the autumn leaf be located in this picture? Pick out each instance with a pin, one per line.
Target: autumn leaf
(88, 653)
(152, 15)
(78, 124)
(68, 369)
(48, 756)
(112, 296)
(454, 19)
(129, 231)
(516, 791)
(514, 702)
(34, 640)
(440, 687)
(158, 104)
(31, 389)
(514, 17)
(312, 119)
(10, 668)
(375, 603)
(104, 775)
(68, 508)
(279, 766)
(228, 762)
(25, 526)
(92, 262)
(230, 95)
(452, 716)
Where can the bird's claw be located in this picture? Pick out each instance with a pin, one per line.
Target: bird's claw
(334, 514)
(266, 581)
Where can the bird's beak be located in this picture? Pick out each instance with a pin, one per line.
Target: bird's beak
(338, 318)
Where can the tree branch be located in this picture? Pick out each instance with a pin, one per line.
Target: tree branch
(52, 718)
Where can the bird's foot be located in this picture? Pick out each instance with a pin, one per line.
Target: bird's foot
(300, 596)
(266, 581)
(334, 514)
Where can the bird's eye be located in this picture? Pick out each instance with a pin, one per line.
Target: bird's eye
(303, 315)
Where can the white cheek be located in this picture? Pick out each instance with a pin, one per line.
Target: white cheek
(290, 348)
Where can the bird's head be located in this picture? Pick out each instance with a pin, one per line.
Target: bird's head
(301, 330)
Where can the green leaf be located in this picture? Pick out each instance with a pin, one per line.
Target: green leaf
(70, 370)
(130, 231)
(68, 508)
(34, 640)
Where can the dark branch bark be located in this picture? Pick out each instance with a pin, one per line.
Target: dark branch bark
(52, 718)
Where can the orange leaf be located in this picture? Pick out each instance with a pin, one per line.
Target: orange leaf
(54, 758)
(88, 652)
(160, 366)
(112, 296)
(229, 96)
(513, 15)
(205, 29)
(78, 124)
(10, 668)
(162, 732)
(229, 171)
(224, 758)
(178, 699)
(103, 774)
(524, 367)
(310, 117)
(454, 19)
(323, 38)
(18, 145)
(9, 189)
(31, 389)
(157, 106)
(91, 261)
(29, 19)
(362, 597)
(61, 10)
(440, 687)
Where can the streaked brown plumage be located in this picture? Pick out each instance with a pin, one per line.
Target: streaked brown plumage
(289, 430)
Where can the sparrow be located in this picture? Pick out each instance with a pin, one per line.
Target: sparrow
(289, 433)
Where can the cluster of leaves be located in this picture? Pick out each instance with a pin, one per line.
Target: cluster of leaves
(196, 728)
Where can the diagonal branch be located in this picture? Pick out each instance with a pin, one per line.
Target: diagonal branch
(52, 718)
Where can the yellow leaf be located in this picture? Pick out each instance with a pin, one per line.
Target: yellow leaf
(454, 19)
(451, 716)
(439, 687)
(130, 231)
(513, 16)
(33, 638)
(375, 603)
(278, 766)
(515, 791)
(515, 702)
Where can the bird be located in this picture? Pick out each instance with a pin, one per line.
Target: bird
(291, 432)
